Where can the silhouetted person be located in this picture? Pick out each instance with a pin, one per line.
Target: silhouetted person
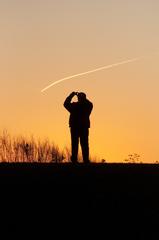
(79, 123)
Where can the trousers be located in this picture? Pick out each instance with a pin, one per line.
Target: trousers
(82, 135)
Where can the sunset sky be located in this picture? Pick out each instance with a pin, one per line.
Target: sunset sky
(42, 41)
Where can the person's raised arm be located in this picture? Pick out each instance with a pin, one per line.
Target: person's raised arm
(67, 102)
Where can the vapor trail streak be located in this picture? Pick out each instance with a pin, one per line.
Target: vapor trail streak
(91, 71)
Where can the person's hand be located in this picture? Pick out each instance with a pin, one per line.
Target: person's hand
(72, 94)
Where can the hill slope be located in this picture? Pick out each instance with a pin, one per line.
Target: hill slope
(115, 199)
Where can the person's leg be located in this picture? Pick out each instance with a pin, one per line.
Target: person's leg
(84, 134)
(74, 144)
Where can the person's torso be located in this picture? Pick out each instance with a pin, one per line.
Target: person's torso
(79, 116)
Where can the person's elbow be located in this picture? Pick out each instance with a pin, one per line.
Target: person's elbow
(65, 105)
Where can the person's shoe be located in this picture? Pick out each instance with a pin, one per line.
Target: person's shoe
(86, 161)
(74, 161)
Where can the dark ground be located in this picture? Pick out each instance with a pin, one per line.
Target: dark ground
(104, 201)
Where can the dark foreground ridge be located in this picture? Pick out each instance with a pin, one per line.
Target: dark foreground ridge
(115, 200)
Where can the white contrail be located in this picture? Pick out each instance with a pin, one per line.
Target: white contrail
(91, 71)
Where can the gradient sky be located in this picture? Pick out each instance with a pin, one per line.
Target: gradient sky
(42, 41)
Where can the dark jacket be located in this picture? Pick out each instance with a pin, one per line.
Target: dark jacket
(79, 112)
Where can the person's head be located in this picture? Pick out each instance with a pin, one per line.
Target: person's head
(81, 96)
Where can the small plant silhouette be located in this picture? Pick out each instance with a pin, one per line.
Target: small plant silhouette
(103, 160)
(133, 158)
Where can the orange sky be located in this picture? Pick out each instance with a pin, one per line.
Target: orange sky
(43, 41)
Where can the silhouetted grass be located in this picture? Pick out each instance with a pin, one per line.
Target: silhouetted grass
(22, 149)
